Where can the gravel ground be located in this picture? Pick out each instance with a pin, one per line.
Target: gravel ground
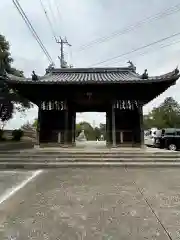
(98, 203)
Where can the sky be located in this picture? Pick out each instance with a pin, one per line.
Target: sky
(84, 21)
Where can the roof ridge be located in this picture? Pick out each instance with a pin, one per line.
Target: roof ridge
(90, 70)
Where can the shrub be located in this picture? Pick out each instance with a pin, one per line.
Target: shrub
(17, 134)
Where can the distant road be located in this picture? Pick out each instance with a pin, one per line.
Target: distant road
(91, 144)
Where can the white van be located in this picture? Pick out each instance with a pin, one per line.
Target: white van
(149, 137)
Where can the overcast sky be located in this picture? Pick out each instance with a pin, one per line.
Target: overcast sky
(83, 21)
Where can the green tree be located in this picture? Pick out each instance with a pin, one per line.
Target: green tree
(78, 129)
(97, 133)
(166, 115)
(88, 130)
(102, 128)
(35, 123)
(6, 105)
(148, 121)
(10, 100)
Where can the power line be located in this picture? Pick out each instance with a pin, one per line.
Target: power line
(52, 13)
(137, 49)
(58, 10)
(58, 18)
(59, 15)
(161, 47)
(152, 50)
(132, 27)
(62, 42)
(162, 14)
(49, 21)
(32, 30)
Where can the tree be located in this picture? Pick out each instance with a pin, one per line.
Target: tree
(10, 100)
(6, 105)
(102, 128)
(88, 130)
(5, 56)
(166, 115)
(35, 123)
(97, 133)
(148, 121)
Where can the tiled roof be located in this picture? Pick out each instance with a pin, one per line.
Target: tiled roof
(95, 75)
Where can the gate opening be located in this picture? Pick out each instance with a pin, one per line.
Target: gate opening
(90, 126)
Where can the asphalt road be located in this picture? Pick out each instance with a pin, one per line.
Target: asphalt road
(97, 203)
(9, 180)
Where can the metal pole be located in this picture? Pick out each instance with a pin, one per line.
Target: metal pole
(62, 53)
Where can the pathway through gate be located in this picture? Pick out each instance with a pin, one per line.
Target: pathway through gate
(91, 144)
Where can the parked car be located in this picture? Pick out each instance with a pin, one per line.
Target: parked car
(168, 138)
(149, 137)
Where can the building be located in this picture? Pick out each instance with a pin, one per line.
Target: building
(120, 92)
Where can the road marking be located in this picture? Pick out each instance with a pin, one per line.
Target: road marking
(15, 189)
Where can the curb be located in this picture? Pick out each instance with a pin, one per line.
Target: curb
(59, 160)
(38, 165)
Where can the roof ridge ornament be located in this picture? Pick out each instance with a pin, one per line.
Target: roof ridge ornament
(145, 74)
(176, 71)
(132, 66)
(34, 76)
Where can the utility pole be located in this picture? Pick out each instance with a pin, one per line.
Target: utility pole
(62, 42)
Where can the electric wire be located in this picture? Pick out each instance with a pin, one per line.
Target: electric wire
(58, 10)
(52, 13)
(59, 15)
(152, 50)
(49, 21)
(32, 30)
(160, 15)
(137, 49)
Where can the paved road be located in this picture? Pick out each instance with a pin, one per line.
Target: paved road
(102, 203)
(10, 179)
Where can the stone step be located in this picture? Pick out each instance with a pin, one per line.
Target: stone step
(76, 159)
(88, 156)
(92, 152)
(52, 165)
(103, 153)
(165, 153)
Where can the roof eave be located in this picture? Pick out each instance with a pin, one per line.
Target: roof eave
(139, 81)
(135, 79)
